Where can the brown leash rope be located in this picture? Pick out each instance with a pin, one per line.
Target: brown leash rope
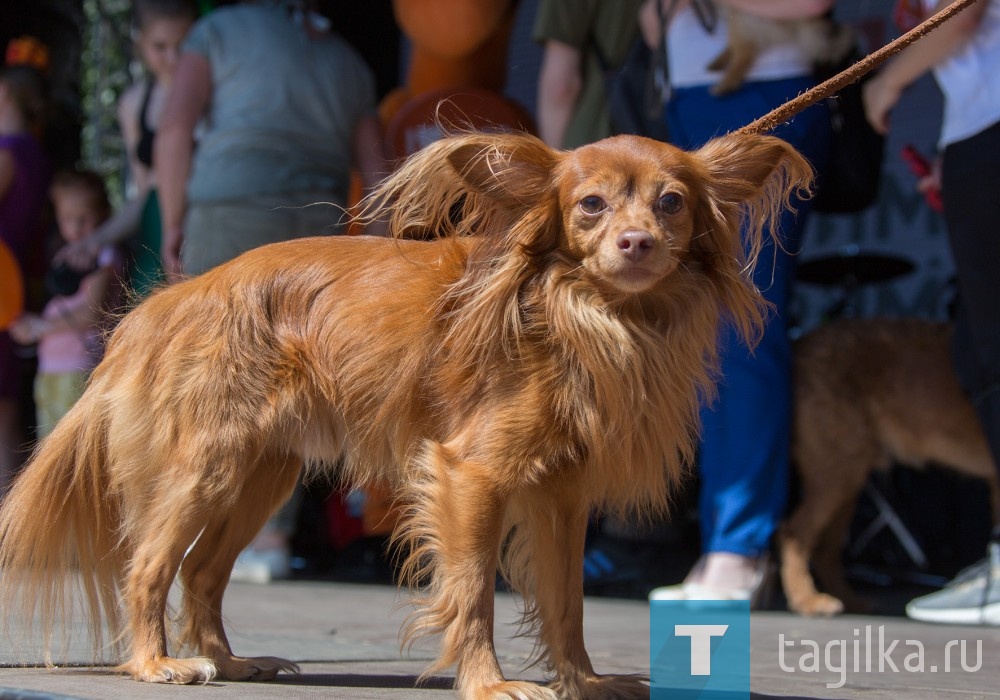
(778, 116)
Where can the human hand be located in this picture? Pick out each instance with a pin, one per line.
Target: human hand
(28, 329)
(931, 181)
(649, 23)
(930, 186)
(80, 255)
(928, 176)
(170, 253)
(879, 97)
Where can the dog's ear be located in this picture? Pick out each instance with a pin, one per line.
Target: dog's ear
(747, 182)
(752, 179)
(743, 168)
(514, 170)
(464, 184)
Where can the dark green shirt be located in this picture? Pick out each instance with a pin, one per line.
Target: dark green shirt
(611, 26)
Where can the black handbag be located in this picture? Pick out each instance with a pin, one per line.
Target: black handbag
(638, 89)
(636, 94)
(850, 181)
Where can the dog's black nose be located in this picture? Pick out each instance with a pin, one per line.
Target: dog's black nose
(634, 245)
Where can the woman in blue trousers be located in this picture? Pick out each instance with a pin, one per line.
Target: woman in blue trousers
(743, 460)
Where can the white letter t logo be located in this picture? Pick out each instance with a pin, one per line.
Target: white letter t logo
(701, 645)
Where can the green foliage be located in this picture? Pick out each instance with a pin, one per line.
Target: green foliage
(108, 68)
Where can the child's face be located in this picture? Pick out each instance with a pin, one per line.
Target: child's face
(159, 45)
(75, 214)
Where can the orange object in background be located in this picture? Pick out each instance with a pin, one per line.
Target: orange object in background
(27, 51)
(456, 43)
(471, 53)
(11, 288)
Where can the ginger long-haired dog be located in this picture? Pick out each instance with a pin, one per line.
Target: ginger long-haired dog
(868, 393)
(544, 356)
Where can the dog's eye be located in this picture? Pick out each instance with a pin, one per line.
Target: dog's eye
(592, 204)
(670, 203)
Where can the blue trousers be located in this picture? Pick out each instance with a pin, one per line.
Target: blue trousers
(743, 458)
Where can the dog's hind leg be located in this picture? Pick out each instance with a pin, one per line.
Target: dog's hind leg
(828, 561)
(206, 569)
(796, 546)
(177, 513)
(800, 536)
(550, 567)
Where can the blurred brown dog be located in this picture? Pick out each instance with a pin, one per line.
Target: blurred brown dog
(543, 357)
(868, 393)
(821, 39)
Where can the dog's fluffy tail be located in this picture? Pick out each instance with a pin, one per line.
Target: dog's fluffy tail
(59, 534)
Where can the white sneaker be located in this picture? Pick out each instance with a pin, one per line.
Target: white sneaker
(261, 565)
(753, 581)
(676, 592)
(971, 598)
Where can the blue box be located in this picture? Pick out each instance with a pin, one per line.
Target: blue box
(699, 649)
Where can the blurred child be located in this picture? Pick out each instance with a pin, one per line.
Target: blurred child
(159, 28)
(70, 330)
(24, 180)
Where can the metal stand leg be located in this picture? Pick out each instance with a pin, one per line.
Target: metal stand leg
(887, 517)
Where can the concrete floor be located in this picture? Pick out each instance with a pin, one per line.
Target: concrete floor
(344, 638)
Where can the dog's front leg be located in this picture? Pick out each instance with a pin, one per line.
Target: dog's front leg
(557, 530)
(453, 531)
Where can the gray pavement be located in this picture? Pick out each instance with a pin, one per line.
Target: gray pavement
(344, 637)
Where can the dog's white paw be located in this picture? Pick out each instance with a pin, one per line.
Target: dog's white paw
(261, 668)
(609, 687)
(166, 669)
(509, 690)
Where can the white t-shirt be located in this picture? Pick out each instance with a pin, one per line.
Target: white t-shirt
(690, 48)
(970, 80)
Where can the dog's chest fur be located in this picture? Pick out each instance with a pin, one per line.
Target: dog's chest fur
(581, 388)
